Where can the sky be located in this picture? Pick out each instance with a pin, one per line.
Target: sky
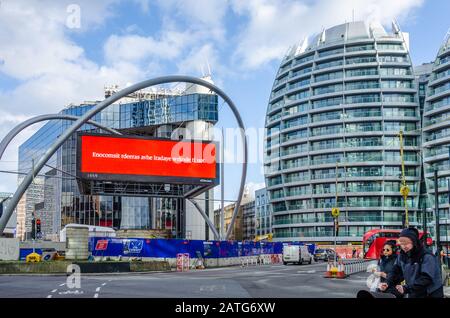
(53, 53)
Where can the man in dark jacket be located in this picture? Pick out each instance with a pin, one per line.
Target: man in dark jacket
(417, 267)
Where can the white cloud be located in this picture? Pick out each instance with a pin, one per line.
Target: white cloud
(135, 48)
(274, 25)
(49, 69)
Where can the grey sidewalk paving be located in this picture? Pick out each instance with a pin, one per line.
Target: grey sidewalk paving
(446, 292)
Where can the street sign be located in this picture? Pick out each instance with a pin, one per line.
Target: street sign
(335, 212)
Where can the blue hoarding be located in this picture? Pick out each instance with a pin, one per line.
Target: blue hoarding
(169, 248)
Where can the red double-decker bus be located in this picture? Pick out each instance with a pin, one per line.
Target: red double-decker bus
(374, 240)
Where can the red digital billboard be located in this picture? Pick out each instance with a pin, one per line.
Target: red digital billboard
(126, 158)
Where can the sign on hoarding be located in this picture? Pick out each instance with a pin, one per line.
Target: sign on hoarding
(183, 261)
(139, 159)
(102, 245)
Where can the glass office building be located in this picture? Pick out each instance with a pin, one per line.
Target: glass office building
(155, 114)
(436, 136)
(263, 222)
(335, 112)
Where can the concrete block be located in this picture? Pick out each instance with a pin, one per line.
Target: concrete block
(9, 249)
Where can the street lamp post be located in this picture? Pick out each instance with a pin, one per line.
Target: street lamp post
(436, 207)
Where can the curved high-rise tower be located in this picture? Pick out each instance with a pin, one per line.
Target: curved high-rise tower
(436, 134)
(337, 105)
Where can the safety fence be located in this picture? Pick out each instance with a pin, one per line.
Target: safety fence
(261, 260)
(353, 266)
(347, 267)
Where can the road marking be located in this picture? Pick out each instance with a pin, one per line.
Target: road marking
(103, 284)
(212, 288)
(75, 292)
(49, 296)
(96, 296)
(306, 272)
(54, 290)
(98, 289)
(62, 284)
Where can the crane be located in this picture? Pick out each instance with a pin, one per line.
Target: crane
(267, 237)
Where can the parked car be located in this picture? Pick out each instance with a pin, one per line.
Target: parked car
(297, 254)
(324, 254)
(320, 255)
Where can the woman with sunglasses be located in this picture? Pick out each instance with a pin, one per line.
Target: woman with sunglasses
(386, 265)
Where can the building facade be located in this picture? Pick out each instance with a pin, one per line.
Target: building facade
(237, 232)
(335, 112)
(249, 221)
(263, 213)
(436, 136)
(163, 113)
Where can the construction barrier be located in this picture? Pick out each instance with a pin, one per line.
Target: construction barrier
(260, 260)
(211, 253)
(183, 262)
(346, 267)
(354, 266)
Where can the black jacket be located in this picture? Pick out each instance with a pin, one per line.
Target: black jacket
(386, 265)
(420, 271)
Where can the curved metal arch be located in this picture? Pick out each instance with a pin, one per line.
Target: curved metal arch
(108, 101)
(16, 130)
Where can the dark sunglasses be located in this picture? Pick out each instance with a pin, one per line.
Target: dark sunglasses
(386, 250)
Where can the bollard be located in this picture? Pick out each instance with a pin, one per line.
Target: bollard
(341, 270)
(328, 272)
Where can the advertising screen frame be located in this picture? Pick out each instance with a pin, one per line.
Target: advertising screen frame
(90, 176)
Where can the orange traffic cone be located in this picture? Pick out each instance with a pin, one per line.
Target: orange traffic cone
(341, 270)
(328, 272)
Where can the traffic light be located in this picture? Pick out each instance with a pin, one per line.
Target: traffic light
(33, 228)
(38, 226)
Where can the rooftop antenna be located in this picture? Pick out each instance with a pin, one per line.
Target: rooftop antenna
(447, 38)
(395, 26)
(201, 69)
(209, 68)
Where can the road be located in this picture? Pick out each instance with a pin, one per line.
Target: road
(267, 281)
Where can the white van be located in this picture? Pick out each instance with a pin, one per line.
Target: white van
(297, 254)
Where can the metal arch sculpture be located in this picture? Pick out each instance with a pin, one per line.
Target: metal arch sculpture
(108, 101)
(16, 130)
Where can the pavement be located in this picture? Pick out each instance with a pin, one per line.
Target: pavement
(267, 281)
(446, 292)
